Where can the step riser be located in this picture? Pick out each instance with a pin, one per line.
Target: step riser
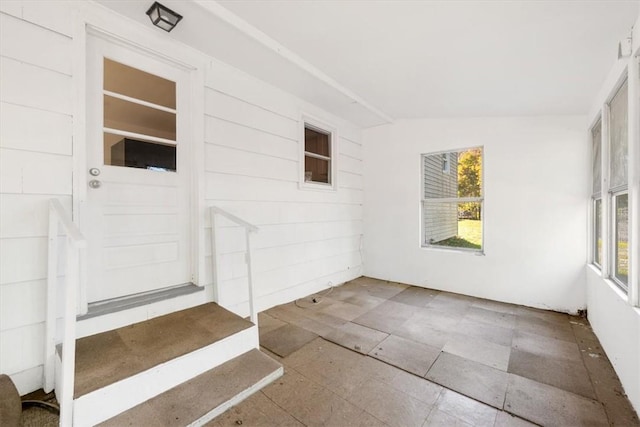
(105, 403)
(238, 398)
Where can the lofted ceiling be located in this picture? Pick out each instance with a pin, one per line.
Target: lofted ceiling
(373, 61)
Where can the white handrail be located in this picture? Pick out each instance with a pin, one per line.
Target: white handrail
(74, 241)
(248, 229)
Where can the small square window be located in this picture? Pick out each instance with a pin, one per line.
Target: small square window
(318, 160)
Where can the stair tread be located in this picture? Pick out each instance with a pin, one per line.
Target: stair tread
(195, 398)
(109, 357)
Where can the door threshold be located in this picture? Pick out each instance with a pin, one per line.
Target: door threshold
(101, 308)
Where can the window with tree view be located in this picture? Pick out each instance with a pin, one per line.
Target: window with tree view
(452, 198)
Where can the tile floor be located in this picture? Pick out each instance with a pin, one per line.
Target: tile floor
(375, 353)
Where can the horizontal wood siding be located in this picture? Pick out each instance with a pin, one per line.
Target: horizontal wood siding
(35, 165)
(307, 239)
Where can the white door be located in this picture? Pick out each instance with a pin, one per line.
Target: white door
(138, 185)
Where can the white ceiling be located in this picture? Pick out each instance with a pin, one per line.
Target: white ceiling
(414, 59)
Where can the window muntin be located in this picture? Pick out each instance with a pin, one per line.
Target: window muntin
(139, 119)
(452, 199)
(317, 155)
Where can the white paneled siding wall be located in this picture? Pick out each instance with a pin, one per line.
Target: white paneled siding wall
(307, 239)
(35, 165)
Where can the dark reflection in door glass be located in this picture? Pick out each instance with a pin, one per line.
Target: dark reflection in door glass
(133, 153)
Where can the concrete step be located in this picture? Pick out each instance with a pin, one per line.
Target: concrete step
(119, 369)
(206, 396)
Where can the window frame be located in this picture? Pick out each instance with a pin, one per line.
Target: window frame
(423, 242)
(309, 122)
(596, 196)
(613, 192)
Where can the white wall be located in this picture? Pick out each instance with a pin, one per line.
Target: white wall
(613, 317)
(35, 165)
(307, 238)
(535, 186)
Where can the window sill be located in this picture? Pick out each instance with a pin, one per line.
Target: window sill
(316, 186)
(476, 252)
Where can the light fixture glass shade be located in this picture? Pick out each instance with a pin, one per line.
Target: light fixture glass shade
(163, 17)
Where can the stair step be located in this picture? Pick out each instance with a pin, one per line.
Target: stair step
(109, 357)
(206, 396)
(125, 367)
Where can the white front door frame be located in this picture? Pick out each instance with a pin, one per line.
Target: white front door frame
(99, 21)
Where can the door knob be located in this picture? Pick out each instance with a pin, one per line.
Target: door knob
(94, 183)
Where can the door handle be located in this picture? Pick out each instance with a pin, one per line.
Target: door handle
(94, 183)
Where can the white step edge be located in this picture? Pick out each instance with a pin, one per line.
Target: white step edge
(120, 319)
(238, 398)
(107, 402)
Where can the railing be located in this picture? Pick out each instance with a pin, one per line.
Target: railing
(74, 241)
(248, 229)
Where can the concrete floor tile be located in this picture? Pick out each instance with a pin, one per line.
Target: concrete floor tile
(356, 337)
(505, 419)
(405, 354)
(257, 410)
(286, 339)
(378, 288)
(418, 329)
(466, 409)
(391, 406)
(387, 316)
(546, 346)
(267, 323)
(566, 375)
(547, 405)
(365, 301)
(443, 320)
(470, 378)
(305, 400)
(416, 387)
(546, 315)
(534, 325)
(609, 390)
(371, 368)
(495, 306)
(448, 301)
(486, 331)
(344, 310)
(438, 418)
(479, 350)
(415, 296)
(496, 318)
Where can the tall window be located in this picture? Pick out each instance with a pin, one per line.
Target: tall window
(596, 191)
(619, 186)
(452, 197)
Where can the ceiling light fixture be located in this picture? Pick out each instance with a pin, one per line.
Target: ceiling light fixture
(163, 17)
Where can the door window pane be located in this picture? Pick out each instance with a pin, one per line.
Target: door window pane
(134, 153)
(129, 81)
(621, 225)
(130, 125)
(140, 119)
(619, 138)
